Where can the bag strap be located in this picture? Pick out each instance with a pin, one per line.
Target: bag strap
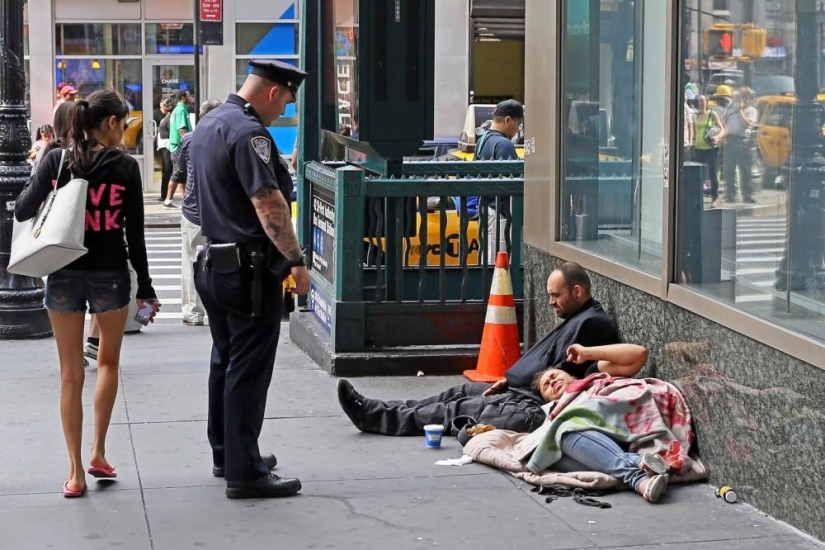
(59, 169)
(52, 195)
(480, 144)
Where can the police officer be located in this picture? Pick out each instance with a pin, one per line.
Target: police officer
(243, 190)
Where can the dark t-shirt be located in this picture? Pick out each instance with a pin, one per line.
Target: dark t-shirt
(591, 326)
(163, 127)
(233, 157)
(114, 208)
(493, 146)
(183, 174)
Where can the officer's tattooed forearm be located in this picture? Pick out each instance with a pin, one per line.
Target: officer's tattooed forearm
(276, 219)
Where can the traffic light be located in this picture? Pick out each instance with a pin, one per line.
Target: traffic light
(754, 42)
(718, 42)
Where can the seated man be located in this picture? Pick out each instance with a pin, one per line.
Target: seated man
(515, 403)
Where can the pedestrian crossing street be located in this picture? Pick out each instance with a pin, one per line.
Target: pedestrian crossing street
(760, 243)
(163, 247)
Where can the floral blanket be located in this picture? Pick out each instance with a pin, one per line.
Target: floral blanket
(650, 415)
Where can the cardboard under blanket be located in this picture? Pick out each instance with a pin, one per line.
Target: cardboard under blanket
(497, 448)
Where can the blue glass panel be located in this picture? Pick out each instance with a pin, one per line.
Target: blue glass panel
(289, 13)
(290, 111)
(280, 40)
(284, 137)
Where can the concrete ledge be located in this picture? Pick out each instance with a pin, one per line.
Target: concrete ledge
(312, 338)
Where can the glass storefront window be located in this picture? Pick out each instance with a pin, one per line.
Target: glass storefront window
(750, 211)
(170, 38)
(98, 39)
(613, 142)
(267, 39)
(284, 130)
(90, 75)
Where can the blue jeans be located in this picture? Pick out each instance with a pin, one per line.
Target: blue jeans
(593, 451)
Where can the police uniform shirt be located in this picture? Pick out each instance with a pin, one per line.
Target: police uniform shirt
(234, 158)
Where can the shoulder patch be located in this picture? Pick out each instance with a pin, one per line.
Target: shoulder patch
(262, 147)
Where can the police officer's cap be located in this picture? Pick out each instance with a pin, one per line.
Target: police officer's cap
(278, 72)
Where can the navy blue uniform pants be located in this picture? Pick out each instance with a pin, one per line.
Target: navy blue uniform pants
(240, 371)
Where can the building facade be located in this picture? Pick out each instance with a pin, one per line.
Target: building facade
(144, 50)
(712, 256)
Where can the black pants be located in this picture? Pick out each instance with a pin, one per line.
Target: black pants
(166, 168)
(737, 154)
(511, 410)
(240, 371)
(710, 157)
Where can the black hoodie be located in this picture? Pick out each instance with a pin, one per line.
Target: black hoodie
(114, 206)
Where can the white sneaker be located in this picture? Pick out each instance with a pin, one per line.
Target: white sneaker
(90, 351)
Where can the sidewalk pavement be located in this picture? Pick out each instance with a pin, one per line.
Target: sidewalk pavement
(156, 215)
(359, 491)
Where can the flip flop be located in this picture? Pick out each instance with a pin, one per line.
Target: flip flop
(102, 471)
(68, 493)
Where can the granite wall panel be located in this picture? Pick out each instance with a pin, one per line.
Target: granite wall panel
(759, 414)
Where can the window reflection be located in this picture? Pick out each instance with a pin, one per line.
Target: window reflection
(170, 38)
(122, 75)
(750, 226)
(98, 39)
(613, 118)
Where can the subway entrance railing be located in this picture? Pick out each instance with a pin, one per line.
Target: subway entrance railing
(400, 262)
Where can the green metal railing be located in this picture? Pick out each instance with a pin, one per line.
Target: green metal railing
(394, 275)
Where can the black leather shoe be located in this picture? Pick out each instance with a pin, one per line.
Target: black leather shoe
(352, 403)
(271, 486)
(269, 459)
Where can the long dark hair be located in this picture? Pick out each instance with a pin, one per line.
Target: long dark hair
(44, 130)
(88, 114)
(62, 122)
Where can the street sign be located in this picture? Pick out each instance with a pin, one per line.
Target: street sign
(210, 23)
(211, 10)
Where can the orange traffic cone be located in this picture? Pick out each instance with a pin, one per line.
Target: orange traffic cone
(500, 346)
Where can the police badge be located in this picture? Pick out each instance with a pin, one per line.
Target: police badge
(262, 147)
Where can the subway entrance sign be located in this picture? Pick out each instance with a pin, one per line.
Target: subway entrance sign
(377, 88)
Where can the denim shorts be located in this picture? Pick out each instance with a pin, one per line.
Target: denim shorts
(68, 291)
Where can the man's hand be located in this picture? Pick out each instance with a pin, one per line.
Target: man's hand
(301, 277)
(577, 354)
(499, 387)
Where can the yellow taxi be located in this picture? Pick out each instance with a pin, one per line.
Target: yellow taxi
(452, 247)
(134, 131)
(773, 134)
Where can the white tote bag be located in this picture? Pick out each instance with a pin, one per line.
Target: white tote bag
(54, 237)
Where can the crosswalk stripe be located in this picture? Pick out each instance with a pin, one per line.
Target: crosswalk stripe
(766, 241)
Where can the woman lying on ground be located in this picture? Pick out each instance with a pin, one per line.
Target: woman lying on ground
(635, 430)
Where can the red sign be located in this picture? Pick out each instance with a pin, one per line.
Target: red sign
(211, 10)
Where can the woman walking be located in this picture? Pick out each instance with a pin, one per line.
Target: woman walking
(114, 208)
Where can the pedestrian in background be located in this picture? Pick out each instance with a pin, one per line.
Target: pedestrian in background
(497, 144)
(739, 118)
(166, 107)
(243, 190)
(42, 137)
(190, 226)
(99, 279)
(179, 126)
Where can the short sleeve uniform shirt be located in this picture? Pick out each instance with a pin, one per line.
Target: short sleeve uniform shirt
(232, 157)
